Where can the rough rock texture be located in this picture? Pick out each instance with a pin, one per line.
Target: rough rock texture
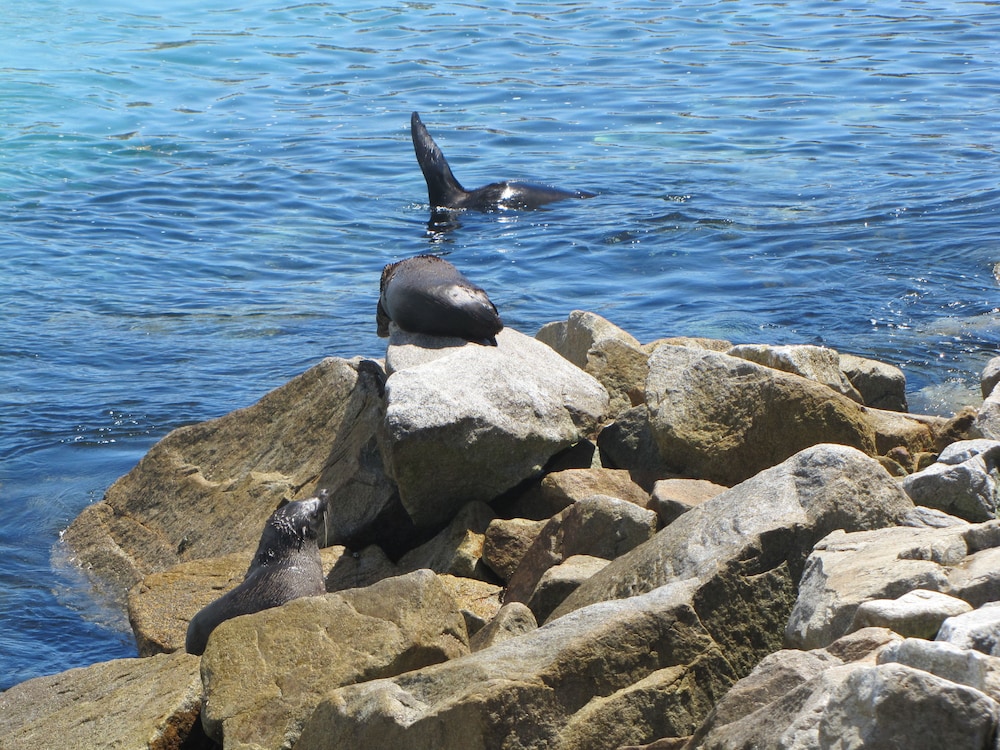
(513, 619)
(748, 545)
(881, 385)
(598, 526)
(770, 707)
(978, 629)
(847, 569)
(264, 673)
(614, 673)
(506, 542)
(917, 614)
(990, 377)
(963, 481)
(672, 497)
(724, 418)
(814, 362)
(490, 417)
(207, 489)
(605, 351)
(458, 549)
(560, 581)
(948, 661)
(123, 704)
(630, 443)
(562, 488)
(354, 570)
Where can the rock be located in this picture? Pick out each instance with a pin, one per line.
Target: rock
(882, 386)
(978, 629)
(355, 570)
(725, 419)
(513, 619)
(948, 661)
(694, 342)
(848, 569)
(990, 377)
(962, 482)
(838, 699)
(125, 703)
(264, 673)
(562, 488)
(748, 545)
(813, 362)
(623, 672)
(207, 489)
(162, 605)
(770, 706)
(915, 614)
(506, 542)
(458, 549)
(904, 435)
(629, 443)
(671, 497)
(598, 526)
(560, 581)
(477, 420)
(605, 351)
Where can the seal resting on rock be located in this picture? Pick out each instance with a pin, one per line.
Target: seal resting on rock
(427, 294)
(286, 566)
(445, 192)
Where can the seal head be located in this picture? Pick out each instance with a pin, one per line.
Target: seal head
(286, 566)
(427, 294)
(445, 192)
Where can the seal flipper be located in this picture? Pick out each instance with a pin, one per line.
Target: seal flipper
(443, 190)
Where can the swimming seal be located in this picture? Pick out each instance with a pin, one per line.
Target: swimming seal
(427, 294)
(444, 191)
(286, 566)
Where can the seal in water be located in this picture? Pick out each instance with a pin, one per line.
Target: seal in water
(427, 294)
(444, 191)
(286, 566)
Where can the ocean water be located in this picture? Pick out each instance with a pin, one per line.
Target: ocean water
(196, 203)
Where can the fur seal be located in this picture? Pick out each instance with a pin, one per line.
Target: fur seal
(427, 294)
(286, 566)
(445, 192)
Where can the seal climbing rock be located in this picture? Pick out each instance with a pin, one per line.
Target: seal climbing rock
(286, 566)
(427, 294)
(444, 191)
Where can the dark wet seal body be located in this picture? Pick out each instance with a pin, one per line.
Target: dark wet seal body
(287, 566)
(427, 294)
(444, 191)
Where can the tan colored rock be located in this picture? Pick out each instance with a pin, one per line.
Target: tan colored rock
(477, 421)
(605, 351)
(562, 488)
(458, 549)
(598, 526)
(355, 570)
(694, 342)
(626, 671)
(881, 385)
(560, 581)
(506, 542)
(264, 673)
(207, 489)
(725, 419)
(915, 614)
(672, 497)
(125, 704)
(511, 620)
(478, 601)
(813, 362)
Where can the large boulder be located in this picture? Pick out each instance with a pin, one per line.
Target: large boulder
(611, 674)
(207, 489)
(264, 673)
(723, 418)
(139, 704)
(963, 481)
(814, 362)
(846, 570)
(467, 423)
(881, 385)
(748, 545)
(604, 350)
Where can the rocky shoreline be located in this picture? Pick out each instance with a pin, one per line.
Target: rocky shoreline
(568, 541)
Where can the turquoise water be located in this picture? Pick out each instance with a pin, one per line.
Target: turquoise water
(196, 202)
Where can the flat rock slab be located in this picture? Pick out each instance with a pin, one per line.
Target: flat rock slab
(125, 704)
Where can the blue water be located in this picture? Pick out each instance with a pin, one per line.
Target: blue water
(196, 202)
